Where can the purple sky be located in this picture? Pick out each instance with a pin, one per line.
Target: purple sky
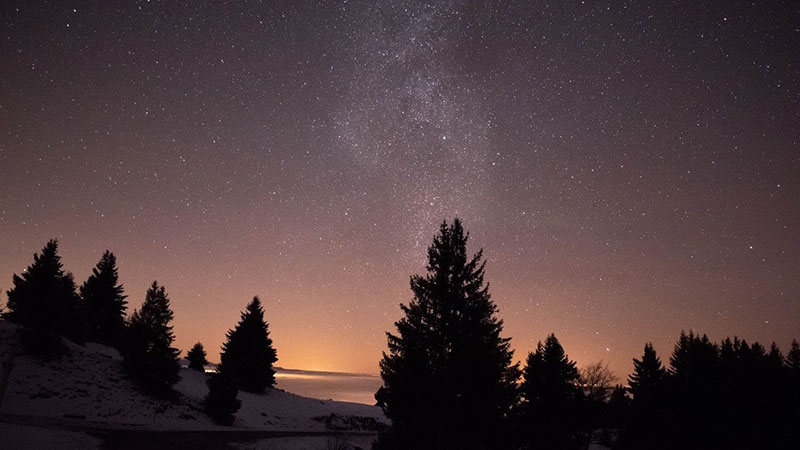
(630, 169)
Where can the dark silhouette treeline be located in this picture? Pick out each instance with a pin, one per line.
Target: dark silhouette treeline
(449, 381)
(46, 302)
(726, 395)
(449, 377)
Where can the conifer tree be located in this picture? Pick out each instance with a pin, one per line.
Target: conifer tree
(221, 401)
(248, 355)
(551, 397)
(774, 361)
(104, 302)
(618, 405)
(149, 356)
(729, 353)
(792, 416)
(197, 357)
(44, 298)
(648, 375)
(793, 359)
(695, 390)
(648, 385)
(695, 359)
(448, 379)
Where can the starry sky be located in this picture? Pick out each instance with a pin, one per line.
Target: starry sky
(631, 169)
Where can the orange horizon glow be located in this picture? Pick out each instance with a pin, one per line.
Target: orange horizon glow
(334, 338)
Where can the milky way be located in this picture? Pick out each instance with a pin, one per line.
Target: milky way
(630, 170)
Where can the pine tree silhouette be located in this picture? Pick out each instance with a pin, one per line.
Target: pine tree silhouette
(645, 426)
(221, 401)
(197, 357)
(792, 389)
(695, 376)
(618, 405)
(793, 360)
(148, 353)
(551, 396)
(44, 298)
(448, 379)
(104, 302)
(248, 354)
(773, 361)
(694, 358)
(648, 376)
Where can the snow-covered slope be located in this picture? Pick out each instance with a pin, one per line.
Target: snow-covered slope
(278, 410)
(88, 387)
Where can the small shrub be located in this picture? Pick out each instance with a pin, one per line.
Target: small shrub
(221, 401)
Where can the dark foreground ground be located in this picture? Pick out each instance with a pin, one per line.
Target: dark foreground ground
(202, 440)
(33, 433)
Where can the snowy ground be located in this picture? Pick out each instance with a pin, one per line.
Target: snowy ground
(35, 438)
(88, 390)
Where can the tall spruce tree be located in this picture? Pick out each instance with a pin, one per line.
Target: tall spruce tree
(774, 361)
(793, 394)
(248, 354)
(44, 298)
(793, 360)
(551, 394)
(648, 375)
(197, 357)
(448, 379)
(696, 391)
(148, 353)
(695, 359)
(104, 302)
(648, 385)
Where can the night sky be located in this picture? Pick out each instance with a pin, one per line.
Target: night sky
(630, 170)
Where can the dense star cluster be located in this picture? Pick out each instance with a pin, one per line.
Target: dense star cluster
(630, 169)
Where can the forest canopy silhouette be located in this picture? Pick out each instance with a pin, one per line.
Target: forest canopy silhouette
(449, 377)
